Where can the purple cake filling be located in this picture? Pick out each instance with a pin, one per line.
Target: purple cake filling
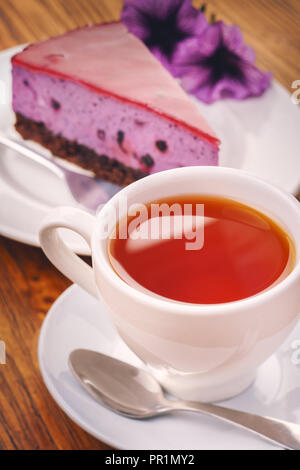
(130, 134)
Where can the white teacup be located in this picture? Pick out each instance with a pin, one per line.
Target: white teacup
(197, 352)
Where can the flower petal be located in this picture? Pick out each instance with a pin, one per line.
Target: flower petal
(201, 24)
(194, 79)
(197, 74)
(232, 36)
(233, 40)
(163, 25)
(209, 40)
(168, 7)
(194, 50)
(190, 20)
(257, 82)
(133, 18)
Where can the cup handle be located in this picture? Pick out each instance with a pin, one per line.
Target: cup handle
(57, 251)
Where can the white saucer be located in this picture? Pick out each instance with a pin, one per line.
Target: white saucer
(259, 135)
(77, 320)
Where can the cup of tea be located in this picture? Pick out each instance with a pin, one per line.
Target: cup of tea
(199, 269)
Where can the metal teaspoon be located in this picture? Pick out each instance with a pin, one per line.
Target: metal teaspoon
(134, 393)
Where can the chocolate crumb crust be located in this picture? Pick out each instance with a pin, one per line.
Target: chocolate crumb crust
(101, 165)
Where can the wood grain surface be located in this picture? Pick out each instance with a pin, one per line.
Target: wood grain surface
(29, 418)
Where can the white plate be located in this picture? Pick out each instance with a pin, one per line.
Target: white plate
(260, 135)
(77, 320)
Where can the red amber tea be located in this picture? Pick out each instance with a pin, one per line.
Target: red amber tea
(243, 253)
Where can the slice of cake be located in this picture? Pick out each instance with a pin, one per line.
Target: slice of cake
(97, 97)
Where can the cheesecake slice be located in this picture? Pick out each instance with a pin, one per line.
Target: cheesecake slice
(97, 97)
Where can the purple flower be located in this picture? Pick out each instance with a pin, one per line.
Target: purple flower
(163, 24)
(218, 64)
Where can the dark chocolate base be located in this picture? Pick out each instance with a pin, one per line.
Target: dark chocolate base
(101, 165)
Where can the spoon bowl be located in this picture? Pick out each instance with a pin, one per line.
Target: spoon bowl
(128, 390)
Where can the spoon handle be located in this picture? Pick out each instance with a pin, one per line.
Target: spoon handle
(31, 154)
(280, 432)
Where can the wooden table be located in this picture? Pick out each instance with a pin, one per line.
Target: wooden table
(29, 418)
